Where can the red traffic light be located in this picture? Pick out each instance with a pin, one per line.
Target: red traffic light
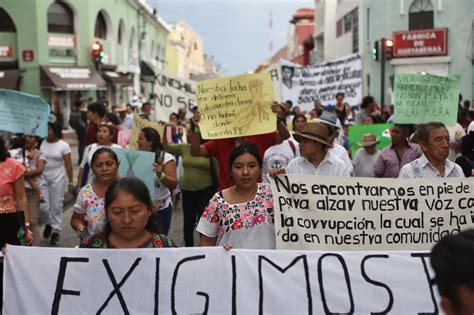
(96, 47)
(97, 53)
(389, 43)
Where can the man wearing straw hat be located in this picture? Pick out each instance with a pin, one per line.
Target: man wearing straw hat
(315, 157)
(365, 158)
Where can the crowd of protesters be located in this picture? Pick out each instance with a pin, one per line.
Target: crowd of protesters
(221, 185)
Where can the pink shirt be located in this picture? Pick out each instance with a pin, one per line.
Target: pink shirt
(389, 164)
(10, 171)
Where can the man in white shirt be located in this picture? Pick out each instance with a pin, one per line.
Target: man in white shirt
(315, 157)
(434, 141)
(333, 124)
(365, 158)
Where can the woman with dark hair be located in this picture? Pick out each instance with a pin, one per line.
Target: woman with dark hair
(58, 165)
(242, 215)
(299, 121)
(199, 182)
(89, 213)
(165, 176)
(130, 223)
(106, 135)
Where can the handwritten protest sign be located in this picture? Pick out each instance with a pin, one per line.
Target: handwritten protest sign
(425, 98)
(140, 123)
(23, 113)
(333, 213)
(184, 281)
(236, 106)
(381, 132)
(172, 94)
(304, 85)
(138, 164)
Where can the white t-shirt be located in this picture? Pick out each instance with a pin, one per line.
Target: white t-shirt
(162, 193)
(90, 150)
(330, 166)
(364, 163)
(456, 132)
(340, 152)
(277, 156)
(54, 155)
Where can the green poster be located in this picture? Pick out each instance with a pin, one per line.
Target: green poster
(424, 98)
(381, 131)
(138, 164)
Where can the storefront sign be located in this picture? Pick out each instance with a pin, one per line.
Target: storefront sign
(429, 42)
(61, 41)
(61, 52)
(6, 51)
(28, 55)
(72, 73)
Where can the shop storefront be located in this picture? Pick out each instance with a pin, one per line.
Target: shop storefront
(9, 79)
(66, 85)
(119, 87)
(147, 78)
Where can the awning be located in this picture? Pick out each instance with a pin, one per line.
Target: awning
(71, 79)
(118, 78)
(9, 79)
(147, 71)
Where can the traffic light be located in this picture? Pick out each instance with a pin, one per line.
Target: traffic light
(389, 48)
(375, 51)
(98, 53)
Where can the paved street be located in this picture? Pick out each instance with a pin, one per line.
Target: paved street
(69, 237)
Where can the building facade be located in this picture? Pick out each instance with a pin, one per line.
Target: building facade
(428, 36)
(300, 39)
(48, 47)
(185, 52)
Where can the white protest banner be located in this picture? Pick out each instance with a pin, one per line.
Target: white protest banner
(215, 281)
(304, 85)
(341, 213)
(275, 73)
(172, 94)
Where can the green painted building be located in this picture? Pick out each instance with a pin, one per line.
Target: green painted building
(46, 49)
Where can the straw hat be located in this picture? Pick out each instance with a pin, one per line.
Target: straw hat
(314, 131)
(367, 140)
(122, 107)
(285, 107)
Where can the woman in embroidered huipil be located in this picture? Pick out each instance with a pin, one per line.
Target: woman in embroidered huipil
(240, 216)
(130, 223)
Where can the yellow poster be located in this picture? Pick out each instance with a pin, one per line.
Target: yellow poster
(140, 123)
(236, 106)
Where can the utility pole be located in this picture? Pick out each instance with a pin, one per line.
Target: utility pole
(382, 74)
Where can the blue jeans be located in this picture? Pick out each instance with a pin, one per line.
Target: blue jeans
(163, 219)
